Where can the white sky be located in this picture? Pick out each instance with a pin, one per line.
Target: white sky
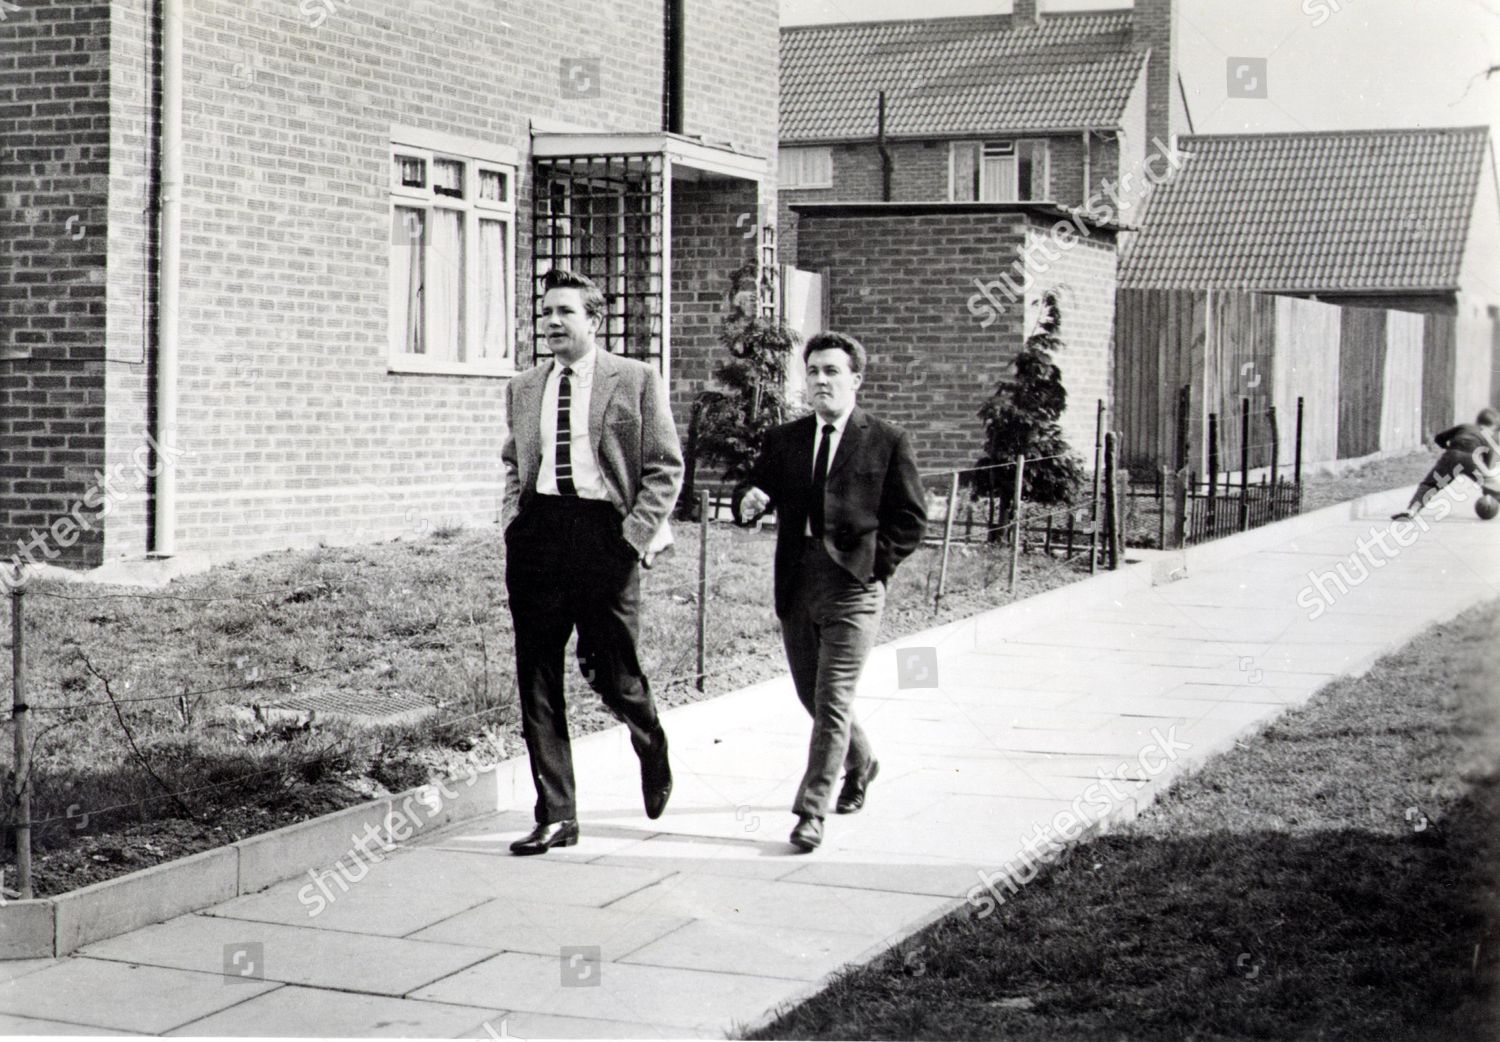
(1331, 64)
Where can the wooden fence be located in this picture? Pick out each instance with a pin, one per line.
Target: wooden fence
(1373, 380)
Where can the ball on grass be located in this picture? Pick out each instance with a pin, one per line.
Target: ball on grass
(1487, 507)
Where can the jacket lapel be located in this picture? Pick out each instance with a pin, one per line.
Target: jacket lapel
(529, 423)
(606, 377)
(849, 444)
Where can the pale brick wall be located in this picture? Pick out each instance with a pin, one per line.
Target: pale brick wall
(291, 428)
(904, 284)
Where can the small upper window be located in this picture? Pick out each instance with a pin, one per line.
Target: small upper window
(999, 171)
(805, 168)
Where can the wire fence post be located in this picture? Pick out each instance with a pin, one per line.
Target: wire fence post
(1111, 508)
(1244, 464)
(1211, 519)
(1297, 457)
(702, 584)
(1094, 501)
(18, 716)
(1163, 479)
(937, 601)
(1018, 513)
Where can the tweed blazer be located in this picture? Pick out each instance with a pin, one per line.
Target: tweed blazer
(635, 442)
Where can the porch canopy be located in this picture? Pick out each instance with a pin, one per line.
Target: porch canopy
(602, 206)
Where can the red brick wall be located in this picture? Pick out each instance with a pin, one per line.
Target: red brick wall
(291, 429)
(905, 286)
(53, 184)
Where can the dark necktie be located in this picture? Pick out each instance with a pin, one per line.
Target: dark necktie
(564, 458)
(819, 483)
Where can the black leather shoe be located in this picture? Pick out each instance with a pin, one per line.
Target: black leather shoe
(545, 836)
(852, 795)
(808, 833)
(656, 777)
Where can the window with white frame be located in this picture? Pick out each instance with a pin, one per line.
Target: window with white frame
(999, 171)
(805, 168)
(452, 273)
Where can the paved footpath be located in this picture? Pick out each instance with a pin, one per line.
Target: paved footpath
(706, 920)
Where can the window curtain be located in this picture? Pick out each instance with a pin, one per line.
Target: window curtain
(493, 287)
(965, 173)
(445, 289)
(406, 280)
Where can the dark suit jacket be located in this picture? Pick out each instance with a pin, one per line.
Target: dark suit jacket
(874, 509)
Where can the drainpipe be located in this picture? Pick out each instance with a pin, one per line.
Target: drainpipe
(885, 153)
(164, 501)
(1088, 188)
(676, 63)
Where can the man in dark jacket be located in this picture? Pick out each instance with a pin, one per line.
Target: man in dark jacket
(1468, 449)
(850, 508)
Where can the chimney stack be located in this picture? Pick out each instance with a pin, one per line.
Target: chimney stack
(1025, 12)
(1154, 26)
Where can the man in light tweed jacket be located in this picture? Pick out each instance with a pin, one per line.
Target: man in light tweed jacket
(592, 469)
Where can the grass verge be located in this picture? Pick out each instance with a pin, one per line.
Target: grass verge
(1336, 878)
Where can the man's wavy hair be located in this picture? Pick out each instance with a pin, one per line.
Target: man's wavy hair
(838, 342)
(593, 298)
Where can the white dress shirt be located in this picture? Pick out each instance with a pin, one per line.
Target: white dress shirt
(586, 477)
(833, 446)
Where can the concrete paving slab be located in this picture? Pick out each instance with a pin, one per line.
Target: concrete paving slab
(726, 947)
(671, 997)
(775, 903)
(761, 852)
(915, 874)
(294, 1012)
(545, 1025)
(319, 958)
(10, 969)
(419, 886)
(10, 1025)
(524, 924)
(142, 1000)
(493, 836)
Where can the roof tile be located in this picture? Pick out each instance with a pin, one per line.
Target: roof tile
(951, 76)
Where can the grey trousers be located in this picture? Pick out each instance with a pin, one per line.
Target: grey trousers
(828, 633)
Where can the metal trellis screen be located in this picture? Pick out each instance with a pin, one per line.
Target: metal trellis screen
(605, 217)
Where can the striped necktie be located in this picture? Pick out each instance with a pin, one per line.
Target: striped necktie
(564, 458)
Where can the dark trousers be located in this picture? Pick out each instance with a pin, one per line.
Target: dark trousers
(568, 566)
(828, 632)
(1451, 464)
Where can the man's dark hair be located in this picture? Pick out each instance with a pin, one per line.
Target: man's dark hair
(593, 298)
(1488, 418)
(837, 342)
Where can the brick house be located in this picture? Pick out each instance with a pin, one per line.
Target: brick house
(942, 174)
(1032, 107)
(268, 264)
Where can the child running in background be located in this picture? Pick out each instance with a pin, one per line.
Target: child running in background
(1468, 449)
